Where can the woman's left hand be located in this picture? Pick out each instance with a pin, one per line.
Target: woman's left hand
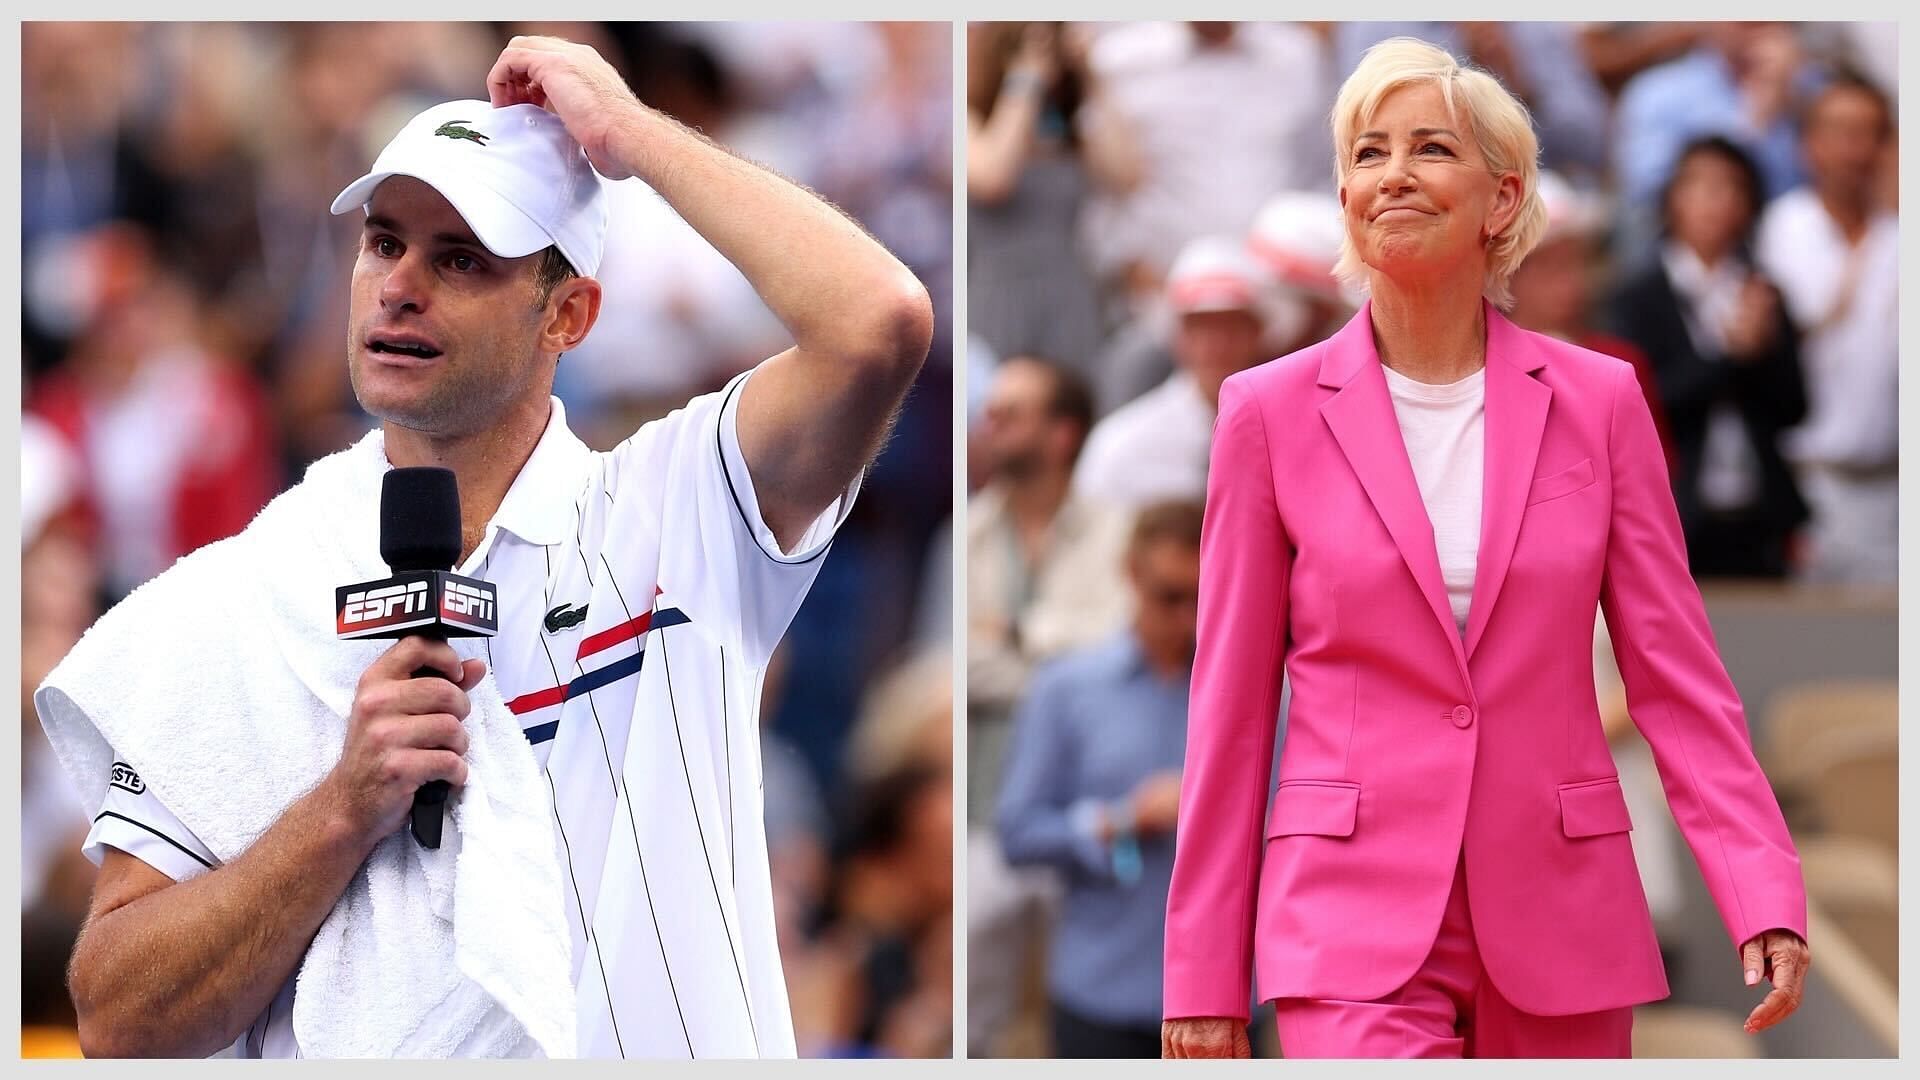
(1780, 957)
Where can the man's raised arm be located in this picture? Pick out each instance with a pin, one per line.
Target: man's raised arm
(814, 415)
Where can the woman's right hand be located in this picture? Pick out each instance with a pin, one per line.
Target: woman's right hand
(1204, 1037)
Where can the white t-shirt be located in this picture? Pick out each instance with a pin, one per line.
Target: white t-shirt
(1444, 428)
(659, 543)
(1846, 299)
(1153, 447)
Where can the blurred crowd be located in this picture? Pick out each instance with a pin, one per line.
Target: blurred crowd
(183, 317)
(1152, 208)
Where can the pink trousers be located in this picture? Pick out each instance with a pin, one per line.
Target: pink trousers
(1449, 1009)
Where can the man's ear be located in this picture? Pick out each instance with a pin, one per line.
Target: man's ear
(570, 314)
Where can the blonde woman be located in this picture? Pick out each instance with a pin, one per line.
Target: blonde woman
(1415, 521)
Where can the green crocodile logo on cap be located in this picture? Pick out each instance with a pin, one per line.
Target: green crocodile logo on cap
(452, 130)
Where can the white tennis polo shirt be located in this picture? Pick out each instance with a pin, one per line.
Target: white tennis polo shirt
(641, 597)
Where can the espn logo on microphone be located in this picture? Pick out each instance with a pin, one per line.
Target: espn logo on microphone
(467, 603)
(417, 601)
(378, 607)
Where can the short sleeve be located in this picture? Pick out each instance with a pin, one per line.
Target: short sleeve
(718, 560)
(134, 820)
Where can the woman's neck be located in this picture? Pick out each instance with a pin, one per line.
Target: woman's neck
(1432, 332)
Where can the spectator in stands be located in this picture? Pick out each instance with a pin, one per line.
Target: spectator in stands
(1616, 52)
(175, 443)
(1727, 364)
(883, 968)
(1553, 290)
(1225, 305)
(1833, 248)
(1092, 790)
(1042, 561)
(1297, 235)
(1028, 174)
(1219, 116)
(76, 79)
(1742, 83)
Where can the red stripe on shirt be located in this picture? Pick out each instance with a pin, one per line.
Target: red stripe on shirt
(539, 699)
(600, 642)
(614, 635)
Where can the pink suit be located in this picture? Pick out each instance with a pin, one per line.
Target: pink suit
(1409, 752)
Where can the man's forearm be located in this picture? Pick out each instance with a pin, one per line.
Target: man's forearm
(836, 289)
(183, 970)
(814, 415)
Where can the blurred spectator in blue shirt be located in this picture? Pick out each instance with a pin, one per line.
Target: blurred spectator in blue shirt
(1742, 84)
(1092, 788)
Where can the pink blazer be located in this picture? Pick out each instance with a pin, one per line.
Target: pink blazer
(1405, 743)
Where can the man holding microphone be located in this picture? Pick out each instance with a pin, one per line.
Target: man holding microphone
(642, 592)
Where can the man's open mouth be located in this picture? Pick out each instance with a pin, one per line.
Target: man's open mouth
(417, 350)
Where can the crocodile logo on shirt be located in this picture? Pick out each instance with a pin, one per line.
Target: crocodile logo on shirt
(126, 779)
(454, 129)
(561, 619)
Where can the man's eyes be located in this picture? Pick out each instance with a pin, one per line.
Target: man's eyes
(460, 262)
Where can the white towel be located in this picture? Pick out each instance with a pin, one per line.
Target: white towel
(222, 684)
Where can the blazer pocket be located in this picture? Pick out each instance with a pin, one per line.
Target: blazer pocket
(1314, 808)
(1565, 482)
(1594, 808)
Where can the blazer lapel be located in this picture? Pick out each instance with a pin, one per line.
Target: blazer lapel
(1516, 415)
(1362, 421)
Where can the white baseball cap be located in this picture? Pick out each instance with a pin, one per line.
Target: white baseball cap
(1297, 235)
(1219, 273)
(1570, 211)
(514, 175)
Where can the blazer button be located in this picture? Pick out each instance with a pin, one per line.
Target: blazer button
(1462, 716)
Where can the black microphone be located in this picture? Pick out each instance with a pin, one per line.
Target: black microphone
(419, 541)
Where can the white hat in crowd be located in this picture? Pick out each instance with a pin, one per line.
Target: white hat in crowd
(1219, 273)
(1570, 211)
(1297, 235)
(514, 175)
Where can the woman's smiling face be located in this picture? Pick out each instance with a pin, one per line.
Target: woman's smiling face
(1418, 196)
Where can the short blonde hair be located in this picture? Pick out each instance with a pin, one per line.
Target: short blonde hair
(1502, 130)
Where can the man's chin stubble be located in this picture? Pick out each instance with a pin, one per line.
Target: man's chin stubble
(427, 419)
